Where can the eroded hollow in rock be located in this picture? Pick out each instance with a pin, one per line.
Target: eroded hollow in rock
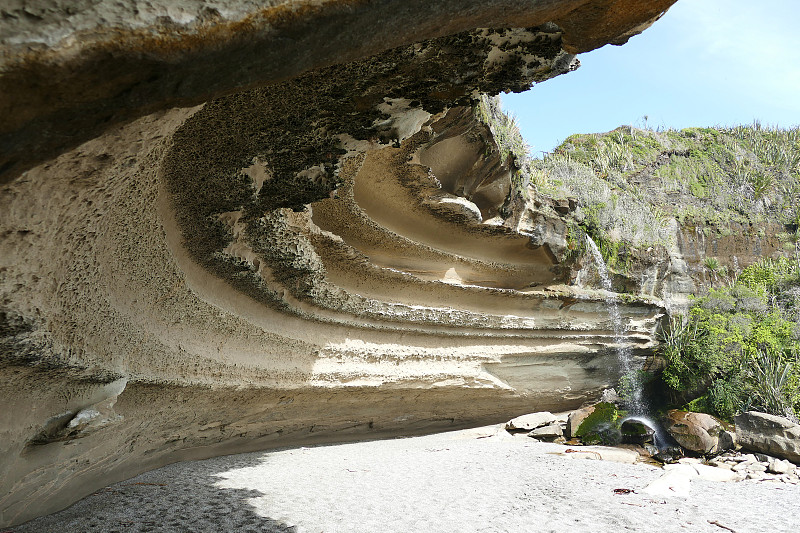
(323, 254)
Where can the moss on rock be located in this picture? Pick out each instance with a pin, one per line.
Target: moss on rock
(602, 426)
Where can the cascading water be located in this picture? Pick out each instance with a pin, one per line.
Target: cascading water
(635, 401)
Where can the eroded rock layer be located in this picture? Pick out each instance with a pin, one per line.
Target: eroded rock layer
(328, 254)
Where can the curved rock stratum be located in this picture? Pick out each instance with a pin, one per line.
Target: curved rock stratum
(229, 226)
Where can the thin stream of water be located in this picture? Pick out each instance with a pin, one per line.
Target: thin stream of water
(635, 401)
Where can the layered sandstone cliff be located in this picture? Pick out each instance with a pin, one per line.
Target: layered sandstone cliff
(228, 227)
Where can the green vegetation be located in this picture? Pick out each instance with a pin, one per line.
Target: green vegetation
(601, 426)
(631, 182)
(739, 348)
(509, 141)
(715, 269)
(617, 217)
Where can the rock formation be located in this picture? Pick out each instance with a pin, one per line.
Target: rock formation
(766, 433)
(698, 432)
(227, 227)
(677, 212)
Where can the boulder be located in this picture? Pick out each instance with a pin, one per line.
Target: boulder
(727, 440)
(668, 454)
(575, 420)
(604, 453)
(709, 473)
(769, 434)
(675, 482)
(601, 426)
(781, 466)
(530, 421)
(636, 432)
(548, 432)
(697, 432)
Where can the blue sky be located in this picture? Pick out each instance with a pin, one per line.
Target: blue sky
(704, 63)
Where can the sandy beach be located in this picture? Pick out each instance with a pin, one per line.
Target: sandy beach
(473, 480)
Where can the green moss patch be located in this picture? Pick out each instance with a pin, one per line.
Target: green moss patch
(602, 426)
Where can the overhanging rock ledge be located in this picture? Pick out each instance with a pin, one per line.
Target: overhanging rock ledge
(229, 227)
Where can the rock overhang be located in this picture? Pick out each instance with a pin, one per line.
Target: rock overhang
(70, 71)
(173, 248)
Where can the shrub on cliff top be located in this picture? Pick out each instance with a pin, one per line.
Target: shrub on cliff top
(632, 181)
(509, 141)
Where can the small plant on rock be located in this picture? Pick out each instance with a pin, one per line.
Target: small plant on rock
(770, 375)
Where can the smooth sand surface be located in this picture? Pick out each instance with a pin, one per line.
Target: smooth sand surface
(473, 480)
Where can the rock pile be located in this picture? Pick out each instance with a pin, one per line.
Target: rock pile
(697, 433)
(758, 467)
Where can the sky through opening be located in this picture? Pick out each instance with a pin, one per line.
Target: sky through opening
(704, 63)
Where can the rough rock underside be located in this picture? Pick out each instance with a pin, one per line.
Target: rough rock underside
(235, 225)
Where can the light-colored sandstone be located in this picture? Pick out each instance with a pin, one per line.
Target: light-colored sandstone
(711, 473)
(603, 453)
(531, 421)
(549, 432)
(250, 238)
(780, 466)
(676, 482)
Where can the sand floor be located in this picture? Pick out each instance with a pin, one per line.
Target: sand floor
(474, 480)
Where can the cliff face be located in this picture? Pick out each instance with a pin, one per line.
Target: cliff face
(243, 227)
(677, 212)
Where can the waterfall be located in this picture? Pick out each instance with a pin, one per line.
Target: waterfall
(635, 402)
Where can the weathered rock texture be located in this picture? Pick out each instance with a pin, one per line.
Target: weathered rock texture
(675, 212)
(229, 226)
(697, 432)
(770, 434)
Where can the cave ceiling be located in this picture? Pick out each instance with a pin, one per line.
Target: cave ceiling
(237, 225)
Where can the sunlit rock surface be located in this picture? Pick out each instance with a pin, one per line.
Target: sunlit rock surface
(234, 226)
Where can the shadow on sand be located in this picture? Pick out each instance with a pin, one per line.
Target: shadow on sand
(170, 499)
